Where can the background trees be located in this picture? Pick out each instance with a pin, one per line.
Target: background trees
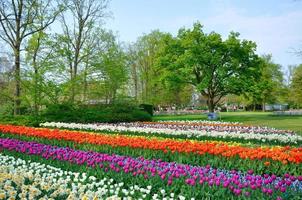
(110, 66)
(296, 87)
(152, 83)
(57, 51)
(269, 86)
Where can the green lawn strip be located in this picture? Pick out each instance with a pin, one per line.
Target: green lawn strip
(244, 142)
(217, 161)
(293, 123)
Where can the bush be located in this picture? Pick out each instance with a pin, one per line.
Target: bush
(141, 115)
(81, 114)
(60, 112)
(147, 107)
(97, 113)
(21, 120)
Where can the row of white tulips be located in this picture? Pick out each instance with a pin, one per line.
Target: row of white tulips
(20, 179)
(131, 127)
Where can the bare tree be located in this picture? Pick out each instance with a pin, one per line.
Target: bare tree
(18, 20)
(78, 23)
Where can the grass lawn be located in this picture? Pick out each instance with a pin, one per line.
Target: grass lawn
(250, 118)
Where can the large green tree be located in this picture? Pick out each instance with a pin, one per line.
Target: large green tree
(296, 87)
(215, 67)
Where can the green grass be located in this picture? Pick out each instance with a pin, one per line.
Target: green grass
(249, 118)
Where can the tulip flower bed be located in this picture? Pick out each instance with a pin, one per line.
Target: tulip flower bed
(191, 180)
(230, 155)
(197, 130)
(259, 166)
(147, 165)
(21, 179)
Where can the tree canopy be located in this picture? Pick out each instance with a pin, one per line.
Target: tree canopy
(215, 67)
(58, 51)
(296, 87)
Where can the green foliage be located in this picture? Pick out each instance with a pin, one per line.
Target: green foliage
(151, 82)
(215, 67)
(269, 88)
(296, 87)
(60, 112)
(148, 108)
(66, 112)
(90, 114)
(22, 120)
(111, 67)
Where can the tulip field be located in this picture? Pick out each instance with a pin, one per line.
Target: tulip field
(149, 160)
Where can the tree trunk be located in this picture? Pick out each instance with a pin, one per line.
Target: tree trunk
(135, 82)
(36, 81)
(71, 98)
(85, 80)
(211, 105)
(17, 99)
(76, 60)
(113, 95)
(142, 99)
(135, 90)
(36, 106)
(85, 87)
(37, 89)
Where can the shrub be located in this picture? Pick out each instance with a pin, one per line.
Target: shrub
(141, 115)
(147, 107)
(97, 113)
(21, 120)
(60, 112)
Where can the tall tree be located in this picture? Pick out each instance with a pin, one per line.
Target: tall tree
(83, 16)
(109, 66)
(146, 49)
(289, 73)
(296, 86)
(150, 84)
(18, 20)
(132, 59)
(215, 67)
(40, 60)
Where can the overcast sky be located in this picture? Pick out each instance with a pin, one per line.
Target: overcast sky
(275, 25)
